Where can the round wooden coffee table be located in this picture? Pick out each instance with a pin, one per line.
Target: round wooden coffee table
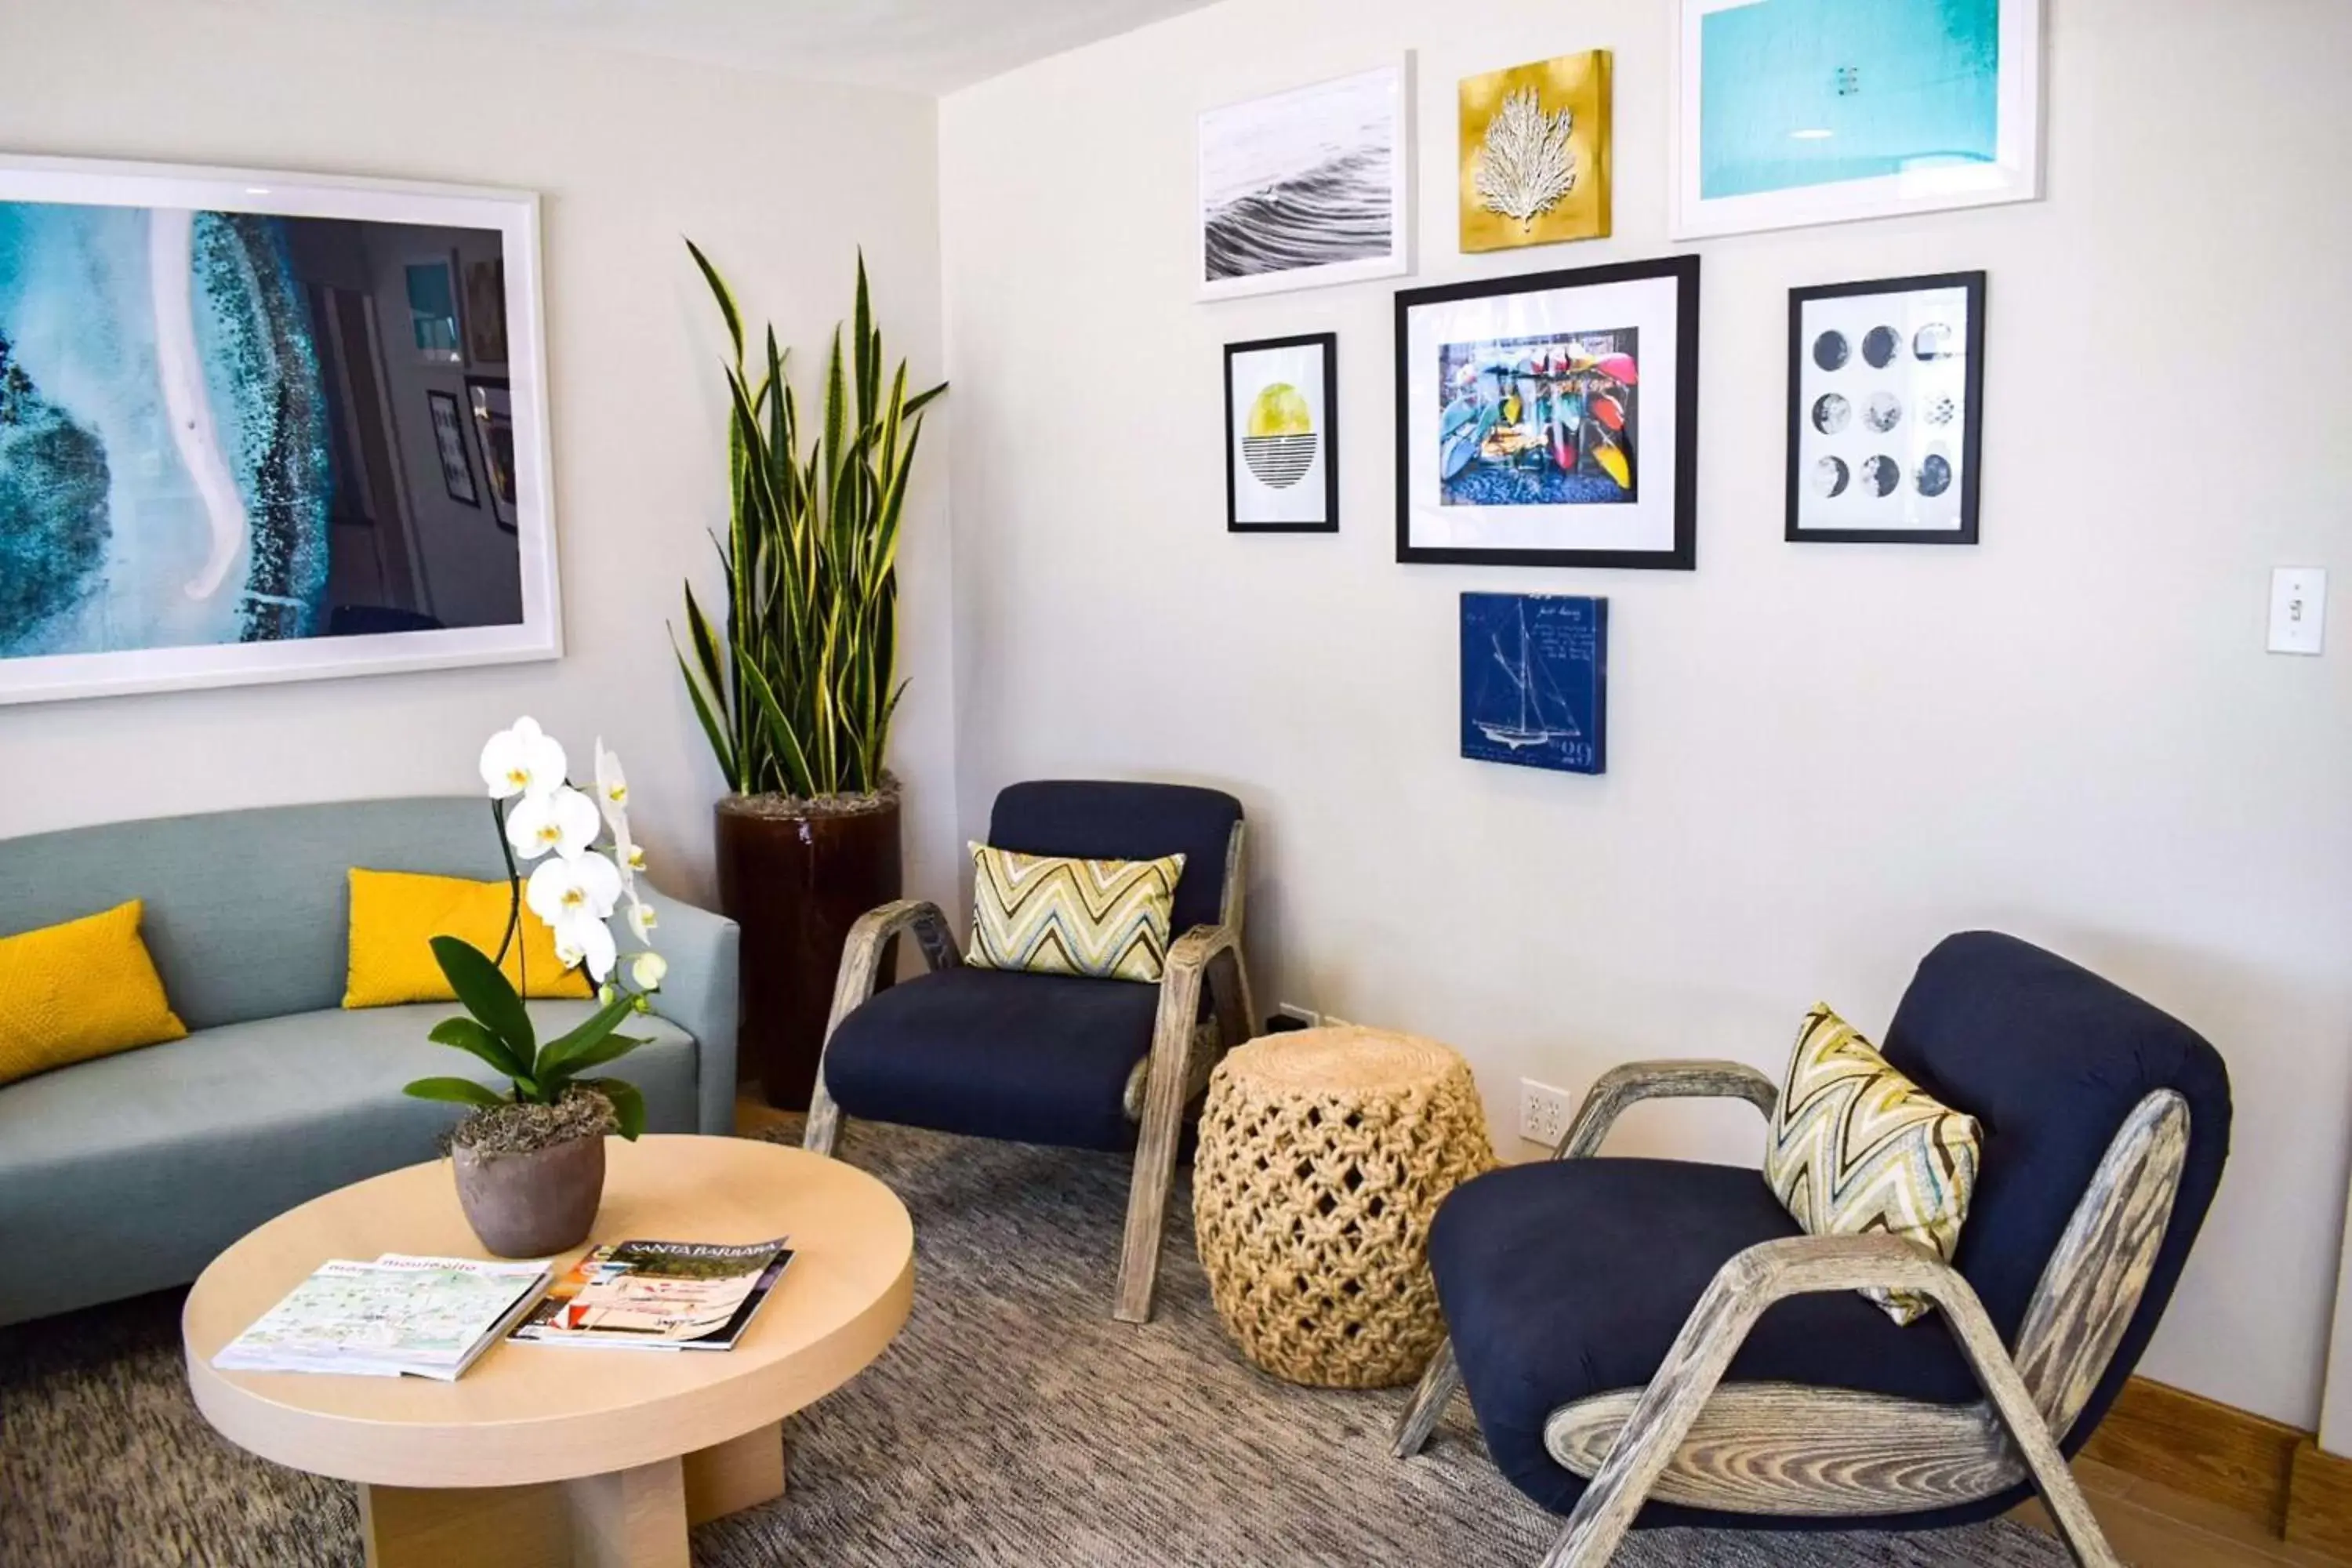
(548, 1457)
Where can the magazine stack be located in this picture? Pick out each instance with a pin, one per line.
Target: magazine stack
(659, 1295)
(398, 1316)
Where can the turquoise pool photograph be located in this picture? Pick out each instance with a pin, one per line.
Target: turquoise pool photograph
(1790, 112)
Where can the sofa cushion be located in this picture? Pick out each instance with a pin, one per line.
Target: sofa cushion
(992, 1053)
(1571, 1278)
(131, 1173)
(1058, 914)
(79, 989)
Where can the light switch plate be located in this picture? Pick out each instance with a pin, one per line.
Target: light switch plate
(2298, 609)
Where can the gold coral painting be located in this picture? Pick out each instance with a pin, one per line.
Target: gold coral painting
(1535, 154)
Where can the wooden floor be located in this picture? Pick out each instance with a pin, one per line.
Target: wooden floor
(2152, 1526)
(2149, 1524)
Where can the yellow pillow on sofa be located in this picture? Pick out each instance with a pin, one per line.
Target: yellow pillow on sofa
(395, 915)
(86, 988)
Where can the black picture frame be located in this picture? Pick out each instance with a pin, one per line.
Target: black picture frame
(449, 439)
(1329, 345)
(1684, 467)
(1971, 444)
(489, 399)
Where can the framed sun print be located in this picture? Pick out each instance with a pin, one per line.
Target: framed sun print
(1550, 419)
(1282, 435)
(1306, 187)
(1886, 410)
(1789, 113)
(224, 398)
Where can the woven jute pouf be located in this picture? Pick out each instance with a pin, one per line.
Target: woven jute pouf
(1323, 1154)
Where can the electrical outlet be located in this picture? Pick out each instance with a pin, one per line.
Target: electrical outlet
(1543, 1112)
(1307, 1016)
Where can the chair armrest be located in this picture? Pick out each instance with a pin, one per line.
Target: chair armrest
(1620, 1087)
(699, 995)
(861, 952)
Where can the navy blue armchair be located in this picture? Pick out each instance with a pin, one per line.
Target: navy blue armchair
(1056, 1059)
(1655, 1342)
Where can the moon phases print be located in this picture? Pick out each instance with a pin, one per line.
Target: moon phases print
(1884, 394)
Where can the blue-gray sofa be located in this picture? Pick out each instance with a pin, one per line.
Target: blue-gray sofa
(130, 1172)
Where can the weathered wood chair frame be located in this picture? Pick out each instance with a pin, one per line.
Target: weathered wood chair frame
(1173, 1075)
(1789, 1448)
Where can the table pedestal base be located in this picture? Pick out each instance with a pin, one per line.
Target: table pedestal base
(627, 1519)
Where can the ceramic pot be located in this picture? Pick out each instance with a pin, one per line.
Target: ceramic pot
(795, 878)
(529, 1206)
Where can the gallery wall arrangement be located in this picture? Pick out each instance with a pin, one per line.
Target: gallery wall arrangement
(1550, 419)
(241, 437)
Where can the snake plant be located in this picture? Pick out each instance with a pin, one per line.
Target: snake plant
(796, 694)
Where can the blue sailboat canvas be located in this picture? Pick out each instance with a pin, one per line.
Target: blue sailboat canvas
(1535, 680)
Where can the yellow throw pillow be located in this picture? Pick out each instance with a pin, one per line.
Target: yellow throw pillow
(1051, 914)
(395, 915)
(1857, 1147)
(86, 988)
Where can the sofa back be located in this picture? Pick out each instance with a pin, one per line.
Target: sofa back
(248, 913)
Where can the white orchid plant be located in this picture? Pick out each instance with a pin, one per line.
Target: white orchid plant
(575, 888)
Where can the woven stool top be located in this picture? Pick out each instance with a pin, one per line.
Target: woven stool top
(1340, 1060)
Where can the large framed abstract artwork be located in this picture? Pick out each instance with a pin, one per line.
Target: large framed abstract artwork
(1886, 410)
(1550, 419)
(1535, 681)
(228, 443)
(1806, 111)
(1282, 435)
(1307, 188)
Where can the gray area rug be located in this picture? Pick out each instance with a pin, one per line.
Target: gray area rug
(1013, 1422)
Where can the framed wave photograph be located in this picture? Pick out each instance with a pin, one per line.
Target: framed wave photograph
(1307, 188)
(1282, 435)
(232, 437)
(1550, 419)
(1886, 410)
(1789, 113)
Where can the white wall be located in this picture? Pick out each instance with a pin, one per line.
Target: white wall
(780, 180)
(1823, 757)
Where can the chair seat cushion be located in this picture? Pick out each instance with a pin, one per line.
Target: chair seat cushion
(1571, 1278)
(1035, 1058)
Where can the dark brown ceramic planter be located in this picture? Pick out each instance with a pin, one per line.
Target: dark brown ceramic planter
(528, 1205)
(796, 879)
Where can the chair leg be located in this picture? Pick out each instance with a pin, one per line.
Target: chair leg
(823, 1124)
(1440, 1381)
(1147, 1198)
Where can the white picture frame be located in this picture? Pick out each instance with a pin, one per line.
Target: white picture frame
(1747, 197)
(152, 188)
(1346, 142)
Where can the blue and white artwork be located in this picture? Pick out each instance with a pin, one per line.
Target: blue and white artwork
(1535, 681)
(1798, 112)
(218, 454)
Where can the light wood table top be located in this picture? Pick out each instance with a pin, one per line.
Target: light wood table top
(530, 1413)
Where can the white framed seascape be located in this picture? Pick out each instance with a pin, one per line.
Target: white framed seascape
(225, 455)
(1307, 188)
(1790, 112)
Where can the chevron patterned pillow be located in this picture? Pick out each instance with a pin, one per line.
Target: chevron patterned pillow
(1857, 1147)
(1051, 914)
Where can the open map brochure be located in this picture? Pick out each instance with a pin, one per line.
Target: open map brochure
(659, 1295)
(425, 1316)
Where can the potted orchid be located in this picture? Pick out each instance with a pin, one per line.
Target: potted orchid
(531, 1159)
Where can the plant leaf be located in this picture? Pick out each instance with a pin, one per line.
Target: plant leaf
(469, 1036)
(562, 1053)
(455, 1090)
(611, 1047)
(628, 1105)
(726, 298)
(486, 993)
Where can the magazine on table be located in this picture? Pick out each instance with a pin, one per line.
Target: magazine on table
(398, 1315)
(659, 1295)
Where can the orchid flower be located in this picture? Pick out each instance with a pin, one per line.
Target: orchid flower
(582, 940)
(649, 970)
(523, 760)
(612, 790)
(641, 918)
(563, 819)
(575, 897)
